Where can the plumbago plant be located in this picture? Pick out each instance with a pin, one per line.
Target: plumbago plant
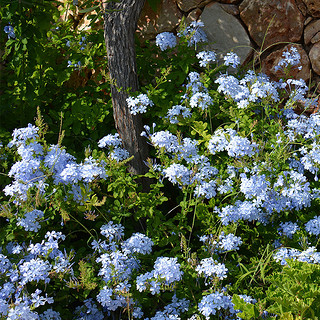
(229, 229)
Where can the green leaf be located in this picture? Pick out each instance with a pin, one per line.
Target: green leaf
(89, 9)
(76, 127)
(154, 4)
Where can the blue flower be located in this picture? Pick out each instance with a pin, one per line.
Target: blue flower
(231, 59)
(229, 242)
(166, 140)
(313, 226)
(35, 270)
(110, 140)
(206, 57)
(288, 229)
(167, 269)
(212, 268)
(10, 32)
(290, 57)
(31, 220)
(139, 104)
(139, 243)
(178, 173)
(207, 189)
(201, 100)
(50, 314)
(210, 304)
(176, 111)
(194, 33)
(113, 232)
(166, 40)
(88, 311)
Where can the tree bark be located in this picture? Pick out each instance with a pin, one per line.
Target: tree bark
(120, 24)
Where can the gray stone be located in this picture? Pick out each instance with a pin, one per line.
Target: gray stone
(314, 56)
(225, 32)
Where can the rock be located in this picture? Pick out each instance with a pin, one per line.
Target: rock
(313, 7)
(302, 7)
(187, 5)
(314, 56)
(193, 15)
(272, 60)
(317, 87)
(308, 20)
(225, 32)
(231, 9)
(272, 20)
(167, 18)
(203, 3)
(311, 30)
(230, 1)
(316, 38)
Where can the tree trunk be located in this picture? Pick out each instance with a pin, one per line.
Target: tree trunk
(120, 24)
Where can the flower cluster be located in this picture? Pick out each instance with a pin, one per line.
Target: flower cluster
(173, 309)
(211, 303)
(290, 58)
(118, 260)
(178, 111)
(251, 88)
(194, 33)
(231, 59)
(36, 166)
(30, 221)
(313, 226)
(114, 143)
(194, 84)
(288, 229)
(206, 57)
(38, 263)
(211, 268)
(229, 141)
(166, 273)
(166, 40)
(88, 311)
(9, 31)
(310, 255)
(186, 150)
(178, 173)
(139, 104)
(201, 100)
(224, 243)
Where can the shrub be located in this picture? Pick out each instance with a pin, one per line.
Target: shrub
(228, 230)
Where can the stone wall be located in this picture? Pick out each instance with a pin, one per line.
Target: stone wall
(254, 29)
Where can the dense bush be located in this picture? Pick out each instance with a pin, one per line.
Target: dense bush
(230, 226)
(49, 64)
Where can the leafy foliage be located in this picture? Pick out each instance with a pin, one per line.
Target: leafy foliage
(229, 228)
